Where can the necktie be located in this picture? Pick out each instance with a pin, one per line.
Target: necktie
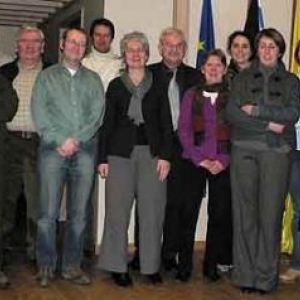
(173, 94)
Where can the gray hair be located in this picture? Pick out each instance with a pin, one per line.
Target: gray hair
(170, 31)
(137, 36)
(30, 28)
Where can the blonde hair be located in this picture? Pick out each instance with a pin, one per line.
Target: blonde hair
(27, 27)
(135, 35)
(169, 31)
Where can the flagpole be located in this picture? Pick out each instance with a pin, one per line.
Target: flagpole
(291, 58)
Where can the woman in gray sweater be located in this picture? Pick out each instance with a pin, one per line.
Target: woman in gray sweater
(263, 108)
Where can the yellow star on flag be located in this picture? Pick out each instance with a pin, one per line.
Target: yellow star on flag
(201, 45)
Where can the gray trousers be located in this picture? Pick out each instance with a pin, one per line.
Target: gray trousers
(128, 179)
(259, 186)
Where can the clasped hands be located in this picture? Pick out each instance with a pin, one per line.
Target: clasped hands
(213, 166)
(69, 147)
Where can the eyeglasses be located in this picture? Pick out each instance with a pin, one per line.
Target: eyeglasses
(270, 47)
(134, 51)
(177, 47)
(75, 43)
(31, 42)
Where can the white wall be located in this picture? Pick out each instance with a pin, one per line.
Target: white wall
(153, 16)
(7, 43)
(139, 15)
(230, 15)
(7, 38)
(147, 16)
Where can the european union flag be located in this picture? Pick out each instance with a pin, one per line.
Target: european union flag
(206, 36)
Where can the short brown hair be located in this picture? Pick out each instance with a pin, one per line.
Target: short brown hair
(81, 30)
(274, 35)
(215, 52)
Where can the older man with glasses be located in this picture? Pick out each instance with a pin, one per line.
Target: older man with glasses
(23, 140)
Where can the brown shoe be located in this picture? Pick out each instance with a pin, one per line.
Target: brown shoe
(76, 276)
(290, 276)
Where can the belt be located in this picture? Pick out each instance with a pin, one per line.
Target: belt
(25, 135)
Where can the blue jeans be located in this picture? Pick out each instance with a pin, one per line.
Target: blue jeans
(77, 172)
(295, 194)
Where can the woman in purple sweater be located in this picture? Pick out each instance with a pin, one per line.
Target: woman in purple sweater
(204, 134)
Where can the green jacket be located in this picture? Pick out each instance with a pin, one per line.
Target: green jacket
(66, 106)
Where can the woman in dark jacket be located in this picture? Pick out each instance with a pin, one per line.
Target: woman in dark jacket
(263, 108)
(135, 149)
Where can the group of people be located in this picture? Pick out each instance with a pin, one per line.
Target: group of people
(158, 134)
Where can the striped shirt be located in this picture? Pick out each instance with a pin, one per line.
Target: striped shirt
(23, 84)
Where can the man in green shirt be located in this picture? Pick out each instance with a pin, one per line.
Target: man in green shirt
(67, 108)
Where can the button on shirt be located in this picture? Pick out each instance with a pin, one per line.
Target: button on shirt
(66, 105)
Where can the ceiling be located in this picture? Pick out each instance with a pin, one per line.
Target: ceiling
(33, 12)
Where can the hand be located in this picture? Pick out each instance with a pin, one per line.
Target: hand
(103, 170)
(162, 168)
(276, 127)
(212, 166)
(69, 147)
(206, 164)
(247, 108)
(216, 167)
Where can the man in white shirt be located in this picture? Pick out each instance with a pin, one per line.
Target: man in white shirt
(102, 59)
(107, 65)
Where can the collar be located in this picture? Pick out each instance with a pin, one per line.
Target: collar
(144, 85)
(66, 70)
(166, 69)
(280, 67)
(108, 55)
(38, 66)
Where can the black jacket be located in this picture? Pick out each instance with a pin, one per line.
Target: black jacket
(8, 106)
(186, 76)
(11, 70)
(118, 134)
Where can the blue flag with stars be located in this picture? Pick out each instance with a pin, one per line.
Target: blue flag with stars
(206, 36)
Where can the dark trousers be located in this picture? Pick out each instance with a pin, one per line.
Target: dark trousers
(185, 190)
(218, 249)
(2, 174)
(21, 178)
